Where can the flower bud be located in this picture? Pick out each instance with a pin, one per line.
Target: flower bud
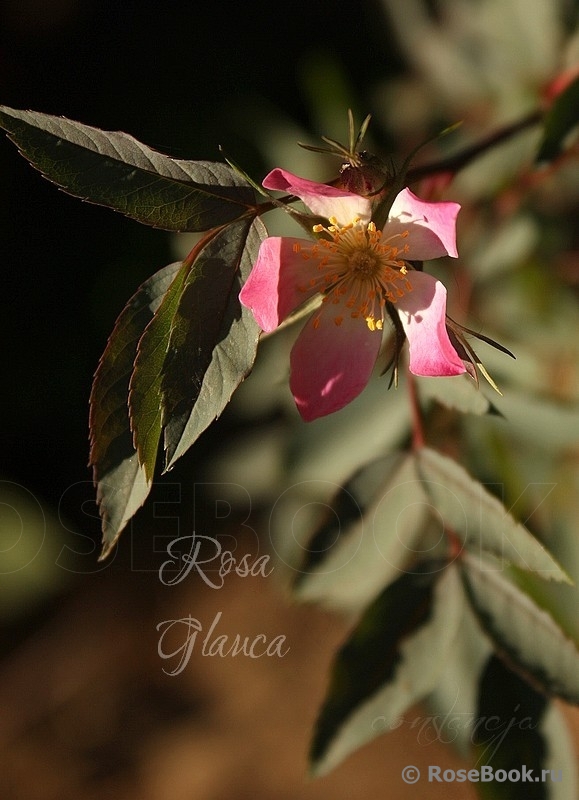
(365, 175)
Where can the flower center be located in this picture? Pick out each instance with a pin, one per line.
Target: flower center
(358, 270)
(364, 262)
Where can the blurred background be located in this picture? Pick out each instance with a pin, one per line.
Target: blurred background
(86, 710)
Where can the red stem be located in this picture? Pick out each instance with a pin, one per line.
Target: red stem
(459, 160)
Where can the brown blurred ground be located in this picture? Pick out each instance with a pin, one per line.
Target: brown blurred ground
(88, 713)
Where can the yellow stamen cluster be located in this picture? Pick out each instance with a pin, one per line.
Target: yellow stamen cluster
(358, 269)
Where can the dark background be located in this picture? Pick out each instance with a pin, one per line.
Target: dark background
(174, 75)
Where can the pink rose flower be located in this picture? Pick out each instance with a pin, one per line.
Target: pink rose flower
(358, 270)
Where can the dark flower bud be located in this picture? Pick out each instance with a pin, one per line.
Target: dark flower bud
(365, 174)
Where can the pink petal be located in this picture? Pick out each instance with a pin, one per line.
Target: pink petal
(423, 315)
(324, 200)
(330, 363)
(279, 281)
(431, 226)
